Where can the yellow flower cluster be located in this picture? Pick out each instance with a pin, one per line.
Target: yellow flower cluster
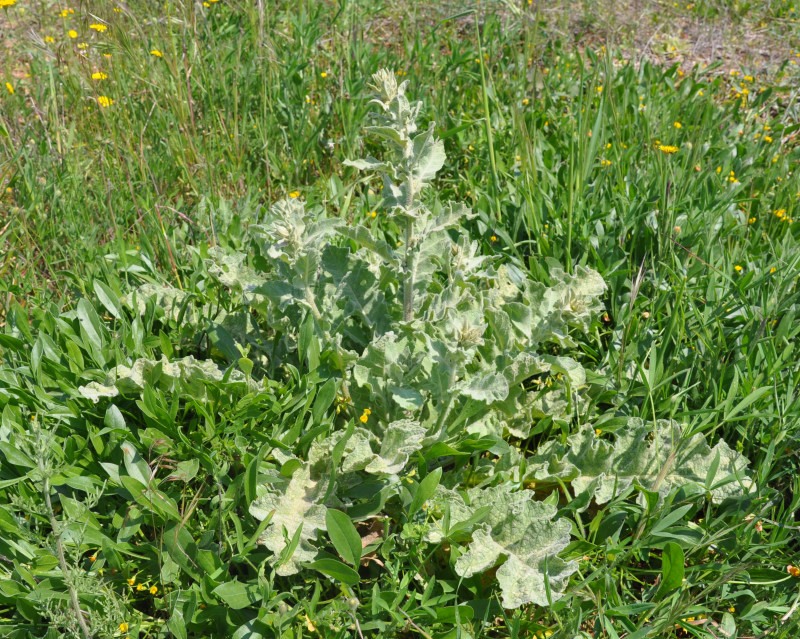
(98, 27)
(365, 416)
(99, 75)
(104, 101)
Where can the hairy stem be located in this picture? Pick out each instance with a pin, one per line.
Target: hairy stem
(62, 562)
(408, 282)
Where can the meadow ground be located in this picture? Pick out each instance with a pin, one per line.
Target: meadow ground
(142, 145)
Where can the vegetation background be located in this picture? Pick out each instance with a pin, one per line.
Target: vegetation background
(655, 142)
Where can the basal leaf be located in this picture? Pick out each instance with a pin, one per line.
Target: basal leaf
(653, 455)
(292, 509)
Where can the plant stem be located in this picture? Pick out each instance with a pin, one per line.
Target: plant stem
(62, 562)
(408, 283)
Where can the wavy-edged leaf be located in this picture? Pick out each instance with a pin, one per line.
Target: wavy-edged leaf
(292, 510)
(653, 455)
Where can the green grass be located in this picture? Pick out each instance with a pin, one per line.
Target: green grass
(556, 149)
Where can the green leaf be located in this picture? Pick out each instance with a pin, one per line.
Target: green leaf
(425, 490)
(238, 595)
(323, 401)
(137, 467)
(92, 329)
(344, 536)
(114, 419)
(672, 569)
(337, 570)
(108, 299)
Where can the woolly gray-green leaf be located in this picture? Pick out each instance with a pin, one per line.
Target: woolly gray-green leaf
(653, 455)
(294, 508)
(520, 533)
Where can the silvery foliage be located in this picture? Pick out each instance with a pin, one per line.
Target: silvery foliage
(437, 339)
(656, 456)
(450, 349)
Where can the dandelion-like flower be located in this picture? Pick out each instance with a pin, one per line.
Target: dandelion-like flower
(72, 33)
(669, 149)
(153, 590)
(10, 88)
(100, 28)
(677, 125)
(99, 75)
(123, 627)
(156, 53)
(294, 194)
(738, 268)
(104, 101)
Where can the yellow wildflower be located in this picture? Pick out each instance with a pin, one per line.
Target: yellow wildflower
(99, 75)
(156, 53)
(737, 268)
(772, 270)
(123, 627)
(599, 89)
(66, 13)
(7, 3)
(373, 214)
(751, 220)
(605, 162)
(323, 75)
(719, 170)
(98, 27)
(104, 101)
(93, 558)
(294, 194)
(677, 125)
(794, 571)
(83, 45)
(525, 101)
(153, 590)
(669, 149)
(49, 39)
(767, 138)
(72, 33)
(140, 587)
(10, 88)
